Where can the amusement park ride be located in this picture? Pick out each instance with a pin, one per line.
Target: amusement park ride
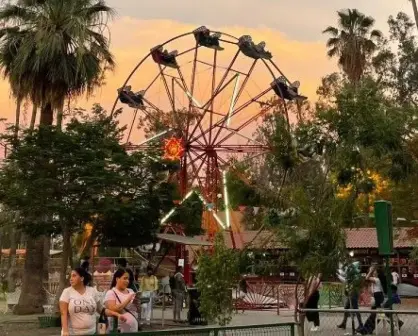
(212, 82)
(212, 90)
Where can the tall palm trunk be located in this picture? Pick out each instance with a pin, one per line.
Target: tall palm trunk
(17, 120)
(415, 8)
(66, 254)
(47, 114)
(60, 114)
(11, 264)
(33, 117)
(32, 297)
(37, 254)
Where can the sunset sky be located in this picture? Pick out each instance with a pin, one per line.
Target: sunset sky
(291, 29)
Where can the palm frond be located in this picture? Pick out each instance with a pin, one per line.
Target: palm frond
(331, 30)
(53, 49)
(376, 34)
(333, 52)
(15, 13)
(333, 42)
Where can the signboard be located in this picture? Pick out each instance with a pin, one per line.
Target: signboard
(384, 227)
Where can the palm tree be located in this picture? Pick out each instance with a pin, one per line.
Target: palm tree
(415, 9)
(353, 42)
(51, 50)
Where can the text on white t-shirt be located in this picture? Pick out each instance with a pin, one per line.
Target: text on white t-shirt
(82, 310)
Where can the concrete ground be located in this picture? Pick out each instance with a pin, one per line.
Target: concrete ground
(12, 325)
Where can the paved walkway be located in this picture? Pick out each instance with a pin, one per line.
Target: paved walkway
(12, 325)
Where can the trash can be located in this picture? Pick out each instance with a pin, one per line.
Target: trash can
(194, 316)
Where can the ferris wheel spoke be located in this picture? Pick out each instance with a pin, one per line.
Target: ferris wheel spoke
(153, 81)
(192, 86)
(204, 111)
(170, 98)
(132, 125)
(215, 54)
(240, 135)
(239, 109)
(196, 170)
(218, 89)
(242, 148)
(235, 98)
(280, 71)
(183, 87)
(242, 126)
(191, 99)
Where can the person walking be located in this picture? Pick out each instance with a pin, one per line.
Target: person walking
(149, 287)
(123, 300)
(79, 304)
(352, 293)
(178, 292)
(378, 284)
(313, 301)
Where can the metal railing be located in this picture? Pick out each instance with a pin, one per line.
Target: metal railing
(379, 322)
(279, 329)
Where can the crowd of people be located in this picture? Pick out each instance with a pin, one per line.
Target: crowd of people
(128, 302)
(378, 284)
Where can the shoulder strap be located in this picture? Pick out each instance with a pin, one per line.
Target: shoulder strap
(126, 309)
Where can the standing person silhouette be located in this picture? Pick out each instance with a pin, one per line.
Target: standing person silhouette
(149, 286)
(179, 292)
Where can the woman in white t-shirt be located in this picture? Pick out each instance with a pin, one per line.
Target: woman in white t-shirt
(375, 277)
(123, 300)
(79, 305)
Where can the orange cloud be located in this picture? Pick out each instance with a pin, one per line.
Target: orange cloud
(132, 39)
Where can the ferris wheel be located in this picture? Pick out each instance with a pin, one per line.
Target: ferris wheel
(211, 85)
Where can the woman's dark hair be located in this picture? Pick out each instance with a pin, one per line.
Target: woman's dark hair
(118, 274)
(84, 274)
(85, 265)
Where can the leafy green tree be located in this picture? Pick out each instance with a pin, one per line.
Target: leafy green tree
(189, 215)
(217, 275)
(60, 179)
(49, 51)
(353, 42)
(395, 69)
(312, 231)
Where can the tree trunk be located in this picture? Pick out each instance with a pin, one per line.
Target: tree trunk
(33, 117)
(60, 114)
(45, 257)
(11, 264)
(66, 252)
(1, 241)
(47, 115)
(415, 8)
(17, 120)
(36, 260)
(32, 297)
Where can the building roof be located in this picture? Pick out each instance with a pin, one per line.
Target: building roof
(360, 238)
(184, 240)
(367, 238)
